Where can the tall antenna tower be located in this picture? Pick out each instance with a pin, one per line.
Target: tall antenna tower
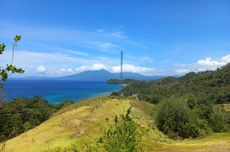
(121, 76)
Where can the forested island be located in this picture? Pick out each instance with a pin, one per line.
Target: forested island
(118, 81)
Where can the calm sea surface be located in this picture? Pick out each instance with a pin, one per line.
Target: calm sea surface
(55, 91)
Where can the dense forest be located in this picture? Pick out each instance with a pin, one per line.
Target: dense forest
(212, 86)
(22, 114)
(189, 106)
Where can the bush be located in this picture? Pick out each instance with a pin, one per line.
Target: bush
(176, 120)
(196, 128)
(219, 121)
(172, 116)
(122, 136)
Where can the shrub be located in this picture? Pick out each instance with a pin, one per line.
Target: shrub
(196, 128)
(219, 121)
(176, 120)
(171, 117)
(122, 136)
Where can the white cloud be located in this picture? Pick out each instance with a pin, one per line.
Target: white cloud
(226, 59)
(202, 65)
(210, 64)
(182, 71)
(119, 35)
(104, 46)
(107, 46)
(66, 70)
(41, 69)
(133, 68)
(96, 66)
(115, 69)
(75, 52)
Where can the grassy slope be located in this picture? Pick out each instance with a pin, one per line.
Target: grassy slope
(83, 122)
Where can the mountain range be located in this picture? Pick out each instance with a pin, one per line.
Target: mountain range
(104, 75)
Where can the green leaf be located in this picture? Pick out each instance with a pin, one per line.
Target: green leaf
(20, 71)
(14, 69)
(17, 38)
(3, 74)
(2, 48)
(11, 68)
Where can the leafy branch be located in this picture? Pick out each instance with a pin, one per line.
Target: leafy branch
(10, 68)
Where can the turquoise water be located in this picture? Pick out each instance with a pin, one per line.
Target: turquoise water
(55, 91)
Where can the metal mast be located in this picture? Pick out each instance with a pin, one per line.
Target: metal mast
(121, 76)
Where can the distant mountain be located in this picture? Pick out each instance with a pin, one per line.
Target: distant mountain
(103, 75)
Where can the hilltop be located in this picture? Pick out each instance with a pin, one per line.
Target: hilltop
(82, 123)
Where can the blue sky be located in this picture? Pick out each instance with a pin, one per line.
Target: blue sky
(158, 37)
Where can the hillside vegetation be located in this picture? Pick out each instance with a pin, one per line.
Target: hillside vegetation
(194, 105)
(22, 114)
(82, 124)
(211, 86)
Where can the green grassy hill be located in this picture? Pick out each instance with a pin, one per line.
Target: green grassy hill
(82, 123)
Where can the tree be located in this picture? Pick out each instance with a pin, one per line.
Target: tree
(10, 68)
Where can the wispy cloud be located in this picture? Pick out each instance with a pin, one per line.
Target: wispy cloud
(119, 35)
(97, 40)
(100, 30)
(104, 46)
(66, 51)
(139, 59)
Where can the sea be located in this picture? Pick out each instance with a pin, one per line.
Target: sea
(56, 91)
